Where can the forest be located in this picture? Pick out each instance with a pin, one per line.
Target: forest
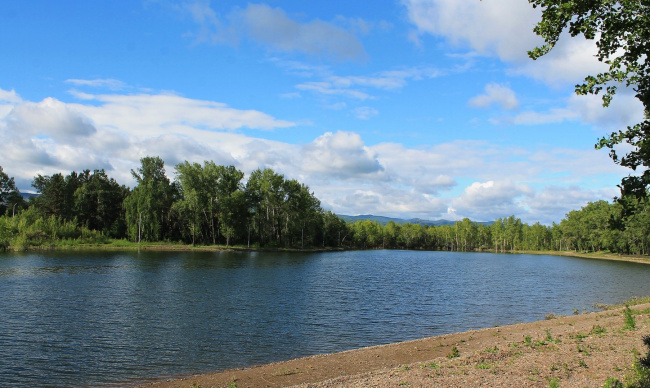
(210, 204)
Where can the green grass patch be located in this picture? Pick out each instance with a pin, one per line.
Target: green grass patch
(493, 350)
(454, 353)
(630, 321)
(431, 365)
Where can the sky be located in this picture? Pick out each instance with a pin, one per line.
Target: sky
(411, 108)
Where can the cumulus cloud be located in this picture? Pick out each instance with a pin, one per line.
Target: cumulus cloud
(553, 202)
(490, 200)
(349, 176)
(504, 29)
(497, 27)
(50, 117)
(115, 131)
(274, 29)
(340, 154)
(9, 97)
(386, 200)
(496, 94)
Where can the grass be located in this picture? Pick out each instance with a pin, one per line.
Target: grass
(630, 321)
(550, 339)
(528, 340)
(493, 350)
(431, 365)
(613, 383)
(596, 330)
(640, 371)
(454, 353)
(287, 372)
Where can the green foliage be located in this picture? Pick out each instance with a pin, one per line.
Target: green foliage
(454, 353)
(148, 206)
(10, 198)
(596, 330)
(630, 321)
(208, 205)
(621, 30)
(612, 382)
(528, 340)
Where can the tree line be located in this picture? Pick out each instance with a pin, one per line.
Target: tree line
(210, 204)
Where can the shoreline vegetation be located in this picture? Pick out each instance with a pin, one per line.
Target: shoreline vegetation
(599, 349)
(111, 244)
(212, 205)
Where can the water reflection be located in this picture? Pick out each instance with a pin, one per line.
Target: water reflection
(71, 318)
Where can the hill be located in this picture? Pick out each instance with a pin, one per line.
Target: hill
(384, 220)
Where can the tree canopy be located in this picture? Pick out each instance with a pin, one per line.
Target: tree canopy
(621, 30)
(9, 194)
(209, 204)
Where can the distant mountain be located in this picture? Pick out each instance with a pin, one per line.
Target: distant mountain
(28, 196)
(384, 220)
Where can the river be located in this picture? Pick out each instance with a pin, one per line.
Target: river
(119, 318)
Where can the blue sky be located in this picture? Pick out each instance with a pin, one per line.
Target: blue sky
(413, 108)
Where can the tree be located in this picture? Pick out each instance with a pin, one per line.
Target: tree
(230, 199)
(53, 199)
(9, 194)
(265, 195)
(621, 29)
(98, 203)
(148, 205)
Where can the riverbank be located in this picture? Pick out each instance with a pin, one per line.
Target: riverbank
(123, 245)
(571, 351)
(178, 247)
(592, 255)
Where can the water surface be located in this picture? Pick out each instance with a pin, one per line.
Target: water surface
(71, 319)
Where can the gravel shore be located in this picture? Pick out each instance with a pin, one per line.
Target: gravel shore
(571, 351)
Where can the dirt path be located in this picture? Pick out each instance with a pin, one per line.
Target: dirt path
(576, 351)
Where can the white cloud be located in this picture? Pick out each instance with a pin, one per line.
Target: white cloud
(569, 62)
(356, 86)
(504, 29)
(274, 29)
(482, 180)
(340, 154)
(115, 131)
(486, 201)
(553, 202)
(496, 27)
(108, 83)
(9, 97)
(624, 110)
(385, 200)
(496, 94)
(327, 88)
(490, 200)
(144, 112)
(50, 117)
(365, 112)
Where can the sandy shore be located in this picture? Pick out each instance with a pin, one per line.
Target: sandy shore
(575, 351)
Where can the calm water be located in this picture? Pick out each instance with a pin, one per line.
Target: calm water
(118, 318)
